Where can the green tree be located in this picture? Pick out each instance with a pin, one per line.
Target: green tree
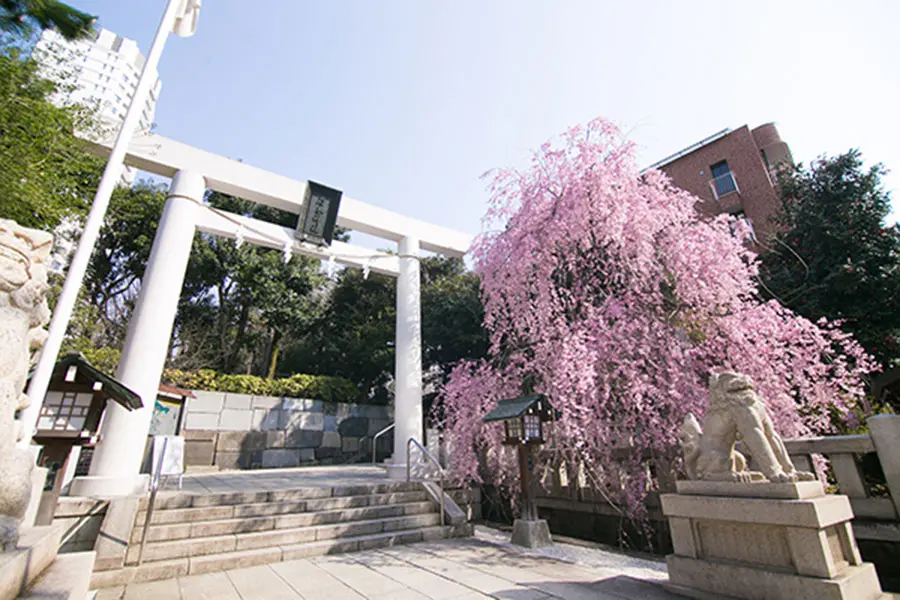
(45, 175)
(120, 257)
(355, 336)
(19, 16)
(835, 256)
(452, 315)
(239, 303)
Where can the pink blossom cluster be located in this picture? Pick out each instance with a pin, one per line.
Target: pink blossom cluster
(606, 290)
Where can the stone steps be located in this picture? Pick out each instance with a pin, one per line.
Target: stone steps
(201, 533)
(185, 548)
(194, 565)
(166, 515)
(207, 528)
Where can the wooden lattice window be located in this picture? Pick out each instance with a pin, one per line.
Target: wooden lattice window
(65, 411)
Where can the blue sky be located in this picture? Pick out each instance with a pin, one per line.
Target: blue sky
(405, 103)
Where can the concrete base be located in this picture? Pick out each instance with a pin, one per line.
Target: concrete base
(766, 548)
(67, 578)
(19, 568)
(396, 472)
(800, 490)
(531, 534)
(109, 487)
(707, 580)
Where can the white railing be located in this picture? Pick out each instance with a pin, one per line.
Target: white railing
(723, 185)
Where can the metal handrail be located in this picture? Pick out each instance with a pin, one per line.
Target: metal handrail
(375, 439)
(427, 455)
(154, 487)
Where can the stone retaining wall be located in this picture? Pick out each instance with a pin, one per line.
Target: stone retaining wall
(241, 431)
(80, 519)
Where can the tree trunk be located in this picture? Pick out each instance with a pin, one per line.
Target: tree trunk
(273, 353)
(232, 357)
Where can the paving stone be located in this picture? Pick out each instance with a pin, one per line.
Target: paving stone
(261, 583)
(153, 590)
(111, 593)
(360, 577)
(313, 582)
(209, 586)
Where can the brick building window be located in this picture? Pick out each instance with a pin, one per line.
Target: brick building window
(723, 181)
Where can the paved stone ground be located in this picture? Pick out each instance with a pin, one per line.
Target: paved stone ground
(275, 479)
(445, 570)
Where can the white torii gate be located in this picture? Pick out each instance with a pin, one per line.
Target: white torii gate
(122, 437)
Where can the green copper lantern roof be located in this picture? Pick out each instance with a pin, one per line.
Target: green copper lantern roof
(516, 407)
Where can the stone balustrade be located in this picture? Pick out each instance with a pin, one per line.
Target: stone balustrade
(875, 503)
(864, 467)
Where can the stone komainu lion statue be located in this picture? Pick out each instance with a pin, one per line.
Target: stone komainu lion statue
(23, 313)
(735, 412)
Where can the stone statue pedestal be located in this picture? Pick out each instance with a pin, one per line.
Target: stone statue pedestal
(764, 541)
(36, 551)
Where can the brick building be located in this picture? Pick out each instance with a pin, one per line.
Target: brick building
(733, 172)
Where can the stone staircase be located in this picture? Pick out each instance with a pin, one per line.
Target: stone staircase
(191, 534)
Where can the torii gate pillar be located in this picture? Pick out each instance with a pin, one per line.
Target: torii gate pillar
(117, 458)
(408, 357)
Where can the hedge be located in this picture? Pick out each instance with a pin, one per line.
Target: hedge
(315, 387)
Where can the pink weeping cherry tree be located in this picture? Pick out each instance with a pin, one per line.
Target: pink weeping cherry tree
(604, 289)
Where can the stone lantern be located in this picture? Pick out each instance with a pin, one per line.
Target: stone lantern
(523, 421)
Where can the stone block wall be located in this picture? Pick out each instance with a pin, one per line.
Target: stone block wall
(240, 431)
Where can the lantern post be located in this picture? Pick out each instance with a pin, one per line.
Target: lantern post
(523, 421)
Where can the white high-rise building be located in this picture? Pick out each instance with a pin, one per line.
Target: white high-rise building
(101, 72)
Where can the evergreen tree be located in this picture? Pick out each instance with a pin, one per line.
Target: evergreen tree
(835, 256)
(18, 16)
